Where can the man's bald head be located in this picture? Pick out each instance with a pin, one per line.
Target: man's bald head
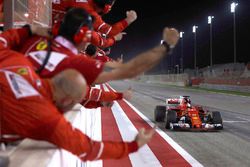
(69, 88)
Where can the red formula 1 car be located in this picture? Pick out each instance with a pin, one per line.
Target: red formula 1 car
(182, 115)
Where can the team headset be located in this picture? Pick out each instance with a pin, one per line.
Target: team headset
(83, 34)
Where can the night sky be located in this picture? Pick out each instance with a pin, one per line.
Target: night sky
(153, 16)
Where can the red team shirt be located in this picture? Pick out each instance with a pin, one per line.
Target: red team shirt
(27, 109)
(101, 56)
(98, 40)
(63, 56)
(59, 8)
(95, 97)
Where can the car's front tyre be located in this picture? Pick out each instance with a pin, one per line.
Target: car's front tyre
(171, 118)
(160, 113)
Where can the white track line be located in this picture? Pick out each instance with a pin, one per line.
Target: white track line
(235, 121)
(144, 157)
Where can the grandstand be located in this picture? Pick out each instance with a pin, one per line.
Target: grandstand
(231, 76)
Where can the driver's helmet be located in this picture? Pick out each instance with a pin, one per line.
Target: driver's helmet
(187, 100)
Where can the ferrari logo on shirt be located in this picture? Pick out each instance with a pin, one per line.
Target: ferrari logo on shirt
(41, 45)
(22, 71)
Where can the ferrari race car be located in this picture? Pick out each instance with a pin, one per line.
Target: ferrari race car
(180, 114)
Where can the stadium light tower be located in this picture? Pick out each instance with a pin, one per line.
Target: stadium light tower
(182, 58)
(233, 6)
(194, 31)
(210, 22)
(177, 68)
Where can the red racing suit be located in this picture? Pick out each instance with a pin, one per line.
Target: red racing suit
(59, 8)
(27, 110)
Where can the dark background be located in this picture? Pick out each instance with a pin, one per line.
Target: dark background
(153, 16)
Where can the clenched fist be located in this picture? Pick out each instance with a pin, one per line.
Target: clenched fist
(171, 36)
(131, 16)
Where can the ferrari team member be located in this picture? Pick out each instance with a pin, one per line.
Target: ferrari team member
(96, 8)
(97, 53)
(73, 34)
(132, 68)
(98, 98)
(101, 55)
(28, 110)
(93, 93)
(65, 56)
(98, 40)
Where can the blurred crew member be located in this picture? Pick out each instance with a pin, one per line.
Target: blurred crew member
(63, 52)
(96, 8)
(28, 109)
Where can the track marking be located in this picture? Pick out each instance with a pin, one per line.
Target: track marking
(145, 156)
(248, 120)
(110, 131)
(170, 141)
(236, 121)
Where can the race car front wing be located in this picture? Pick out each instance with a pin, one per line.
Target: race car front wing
(204, 126)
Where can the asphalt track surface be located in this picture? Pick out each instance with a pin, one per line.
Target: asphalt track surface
(229, 147)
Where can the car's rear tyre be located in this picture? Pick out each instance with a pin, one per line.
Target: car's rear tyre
(160, 113)
(216, 118)
(171, 118)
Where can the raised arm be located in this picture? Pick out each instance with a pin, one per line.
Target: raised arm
(112, 30)
(13, 38)
(62, 134)
(103, 42)
(143, 61)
